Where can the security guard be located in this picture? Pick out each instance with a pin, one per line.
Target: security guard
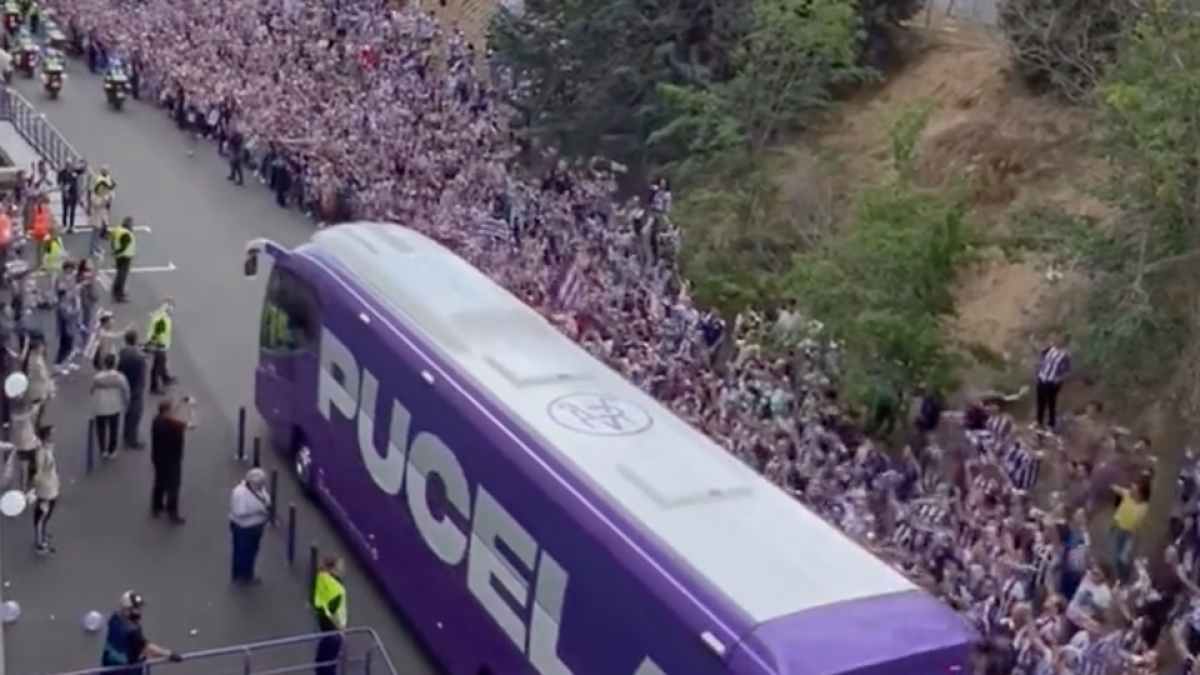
(54, 256)
(159, 343)
(329, 602)
(124, 246)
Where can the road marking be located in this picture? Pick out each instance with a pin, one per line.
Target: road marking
(88, 228)
(105, 277)
(169, 267)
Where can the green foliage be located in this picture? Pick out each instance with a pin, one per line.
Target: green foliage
(655, 82)
(793, 57)
(1139, 314)
(1063, 47)
(739, 255)
(883, 283)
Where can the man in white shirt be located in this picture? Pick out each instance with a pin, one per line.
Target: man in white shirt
(249, 511)
(1091, 600)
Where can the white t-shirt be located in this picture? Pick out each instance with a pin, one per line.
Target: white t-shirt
(1090, 599)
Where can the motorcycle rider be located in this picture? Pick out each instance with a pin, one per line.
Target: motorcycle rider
(12, 15)
(115, 76)
(53, 63)
(32, 11)
(26, 50)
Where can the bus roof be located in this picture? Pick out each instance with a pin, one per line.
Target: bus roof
(756, 544)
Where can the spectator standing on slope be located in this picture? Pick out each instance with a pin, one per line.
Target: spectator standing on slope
(1054, 365)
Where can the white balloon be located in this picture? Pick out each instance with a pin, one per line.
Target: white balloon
(12, 503)
(15, 385)
(93, 621)
(10, 611)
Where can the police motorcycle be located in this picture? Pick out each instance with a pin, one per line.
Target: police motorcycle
(116, 84)
(25, 54)
(54, 66)
(14, 17)
(54, 35)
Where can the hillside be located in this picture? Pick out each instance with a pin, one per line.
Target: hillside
(470, 16)
(1018, 150)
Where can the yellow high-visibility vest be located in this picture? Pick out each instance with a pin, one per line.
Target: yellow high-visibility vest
(326, 589)
(55, 255)
(160, 330)
(102, 184)
(276, 327)
(115, 235)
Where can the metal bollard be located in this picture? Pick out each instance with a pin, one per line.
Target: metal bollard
(89, 460)
(273, 493)
(290, 544)
(256, 455)
(239, 452)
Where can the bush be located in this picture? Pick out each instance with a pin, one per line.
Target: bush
(1064, 47)
(611, 78)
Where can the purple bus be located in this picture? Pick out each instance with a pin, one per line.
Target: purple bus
(528, 510)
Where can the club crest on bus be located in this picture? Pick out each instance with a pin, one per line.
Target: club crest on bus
(599, 415)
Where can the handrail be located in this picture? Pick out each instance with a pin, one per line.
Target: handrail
(36, 129)
(38, 132)
(247, 652)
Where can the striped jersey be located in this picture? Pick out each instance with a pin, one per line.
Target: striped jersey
(1054, 365)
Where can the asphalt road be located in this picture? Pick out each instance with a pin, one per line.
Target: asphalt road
(106, 542)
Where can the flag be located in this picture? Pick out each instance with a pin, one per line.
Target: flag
(571, 286)
(493, 229)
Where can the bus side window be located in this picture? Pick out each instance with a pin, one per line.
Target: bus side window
(290, 317)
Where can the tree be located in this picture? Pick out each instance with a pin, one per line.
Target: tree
(1064, 47)
(740, 255)
(792, 59)
(883, 282)
(592, 68)
(632, 80)
(1139, 323)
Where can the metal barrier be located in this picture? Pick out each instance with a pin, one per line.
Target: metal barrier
(36, 129)
(361, 654)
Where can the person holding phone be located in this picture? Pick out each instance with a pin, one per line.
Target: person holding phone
(168, 432)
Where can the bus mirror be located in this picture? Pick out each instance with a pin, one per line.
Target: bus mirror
(250, 267)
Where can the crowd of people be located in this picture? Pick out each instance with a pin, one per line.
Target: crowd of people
(362, 108)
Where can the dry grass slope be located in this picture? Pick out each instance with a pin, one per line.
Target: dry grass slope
(471, 16)
(1015, 149)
